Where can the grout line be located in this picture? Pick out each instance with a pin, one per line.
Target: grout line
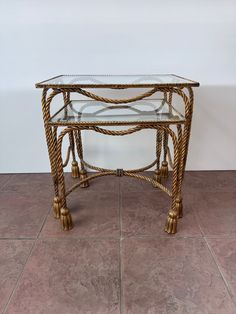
(111, 237)
(19, 279)
(198, 221)
(61, 238)
(121, 280)
(167, 236)
(225, 236)
(20, 239)
(120, 249)
(120, 208)
(227, 285)
(23, 269)
(44, 221)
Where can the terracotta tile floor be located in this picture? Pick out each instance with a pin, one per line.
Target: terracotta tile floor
(118, 259)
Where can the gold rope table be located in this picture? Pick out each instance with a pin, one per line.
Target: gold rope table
(152, 109)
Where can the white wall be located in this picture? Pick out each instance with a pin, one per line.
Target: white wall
(40, 39)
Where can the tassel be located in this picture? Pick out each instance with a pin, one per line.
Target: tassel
(171, 223)
(164, 169)
(179, 207)
(83, 175)
(56, 207)
(74, 169)
(66, 219)
(157, 177)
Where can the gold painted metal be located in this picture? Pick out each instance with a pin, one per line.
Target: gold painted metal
(178, 134)
(171, 223)
(179, 207)
(157, 176)
(74, 169)
(83, 176)
(66, 219)
(164, 169)
(56, 207)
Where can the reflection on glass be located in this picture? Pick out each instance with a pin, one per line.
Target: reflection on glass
(79, 111)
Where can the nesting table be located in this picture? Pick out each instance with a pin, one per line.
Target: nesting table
(151, 108)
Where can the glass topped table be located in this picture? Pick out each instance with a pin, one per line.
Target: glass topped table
(135, 113)
(96, 112)
(101, 81)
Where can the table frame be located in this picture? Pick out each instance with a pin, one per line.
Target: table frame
(180, 141)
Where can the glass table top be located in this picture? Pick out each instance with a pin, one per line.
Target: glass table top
(98, 113)
(116, 81)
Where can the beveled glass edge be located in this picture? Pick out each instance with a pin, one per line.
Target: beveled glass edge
(189, 82)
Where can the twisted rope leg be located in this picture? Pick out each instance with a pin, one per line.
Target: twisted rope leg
(188, 116)
(65, 215)
(74, 164)
(184, 136)
(164, 164)
(56, 200)
(51, 139)
(157, 172)
(179, 202)
(172, 218)
(79, 146)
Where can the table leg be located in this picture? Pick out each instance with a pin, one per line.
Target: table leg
(187, 129)
(157, 172)
(172, 218)
(164, 164)
(65, 215)
(51, 140)
(79, 146)
(179, 202)
(74, 164)
(183, 150)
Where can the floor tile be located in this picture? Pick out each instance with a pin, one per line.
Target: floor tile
(94, 213)
(216, 212)
(106, 183)
(225, 252)
(32, 178)
(33, 186)
(210, 181)
(144, 214)
(101, 184)
(4, 178)
(172, 276)
(70, 276)
(134, 184)
(13, 256)
(21, 215)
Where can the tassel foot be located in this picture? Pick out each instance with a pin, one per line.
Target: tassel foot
(157, 177)
(179, 207)
(75, 169)
(83, 175)
(171, 223)
(56, 207)
(66, 219)
(164, 169)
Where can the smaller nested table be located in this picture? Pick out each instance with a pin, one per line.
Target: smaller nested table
(98, 113)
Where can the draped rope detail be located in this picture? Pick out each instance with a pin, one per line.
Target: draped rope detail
(109, 172)
(110, 100)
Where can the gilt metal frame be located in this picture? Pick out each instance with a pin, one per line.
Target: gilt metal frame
(180, 139)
